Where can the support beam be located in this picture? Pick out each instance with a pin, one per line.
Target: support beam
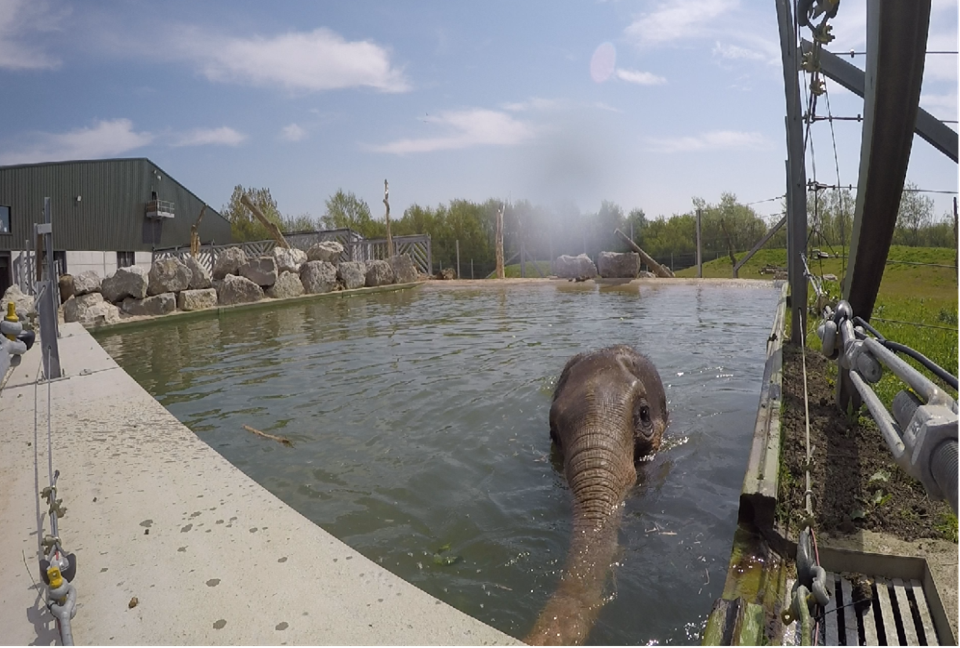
(796, 172)
(935, 132)
(658, 269)
(763, 241)
(896, 46)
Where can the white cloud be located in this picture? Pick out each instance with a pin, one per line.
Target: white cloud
(735, 52)
(20, 22)
(465, 129)
(942, 105)
(678, 20)
(203, 136)
(714, 140)
(305, 61)
(292, 133)
(638, 77)
(107, 138)
(534, 103)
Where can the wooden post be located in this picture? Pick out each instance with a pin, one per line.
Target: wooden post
(386, 202)
(646, 258)
(956, 240)
(195, 235)
(458, 258)
(699, 256)
(499, 241)
(271, 226)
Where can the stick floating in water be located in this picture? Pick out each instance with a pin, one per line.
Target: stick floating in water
(279, 439)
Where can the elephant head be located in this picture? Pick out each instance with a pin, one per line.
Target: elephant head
(609, 411)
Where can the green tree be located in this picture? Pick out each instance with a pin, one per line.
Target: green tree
(345, 210)
(914, 216)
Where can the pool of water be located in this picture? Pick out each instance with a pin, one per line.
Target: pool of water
(420, 425)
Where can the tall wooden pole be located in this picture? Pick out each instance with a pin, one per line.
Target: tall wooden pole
(386, 202)
(796, 172)
(499, 241)
(699, 254)
(956, 240)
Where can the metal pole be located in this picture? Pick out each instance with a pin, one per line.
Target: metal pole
(458, 258)
(796, 174)
(699, 257)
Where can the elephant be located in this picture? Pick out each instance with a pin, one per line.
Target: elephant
(609, 411)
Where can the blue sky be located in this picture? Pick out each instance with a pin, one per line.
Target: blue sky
(645, 103)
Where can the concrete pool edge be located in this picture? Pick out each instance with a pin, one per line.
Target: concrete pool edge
(156, 513)
(266, 303)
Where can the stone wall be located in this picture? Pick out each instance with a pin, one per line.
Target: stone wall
(170, 284)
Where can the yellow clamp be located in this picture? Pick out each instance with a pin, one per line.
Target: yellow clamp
(54, 577)
(11, 317)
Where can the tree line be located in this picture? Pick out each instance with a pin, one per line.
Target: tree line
(727, 227)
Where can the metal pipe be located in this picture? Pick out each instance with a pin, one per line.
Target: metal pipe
(889, 429)
(919, 383)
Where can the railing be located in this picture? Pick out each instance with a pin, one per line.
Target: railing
(160, 209)
(355, 248)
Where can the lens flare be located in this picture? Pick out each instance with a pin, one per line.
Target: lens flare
(603, 62)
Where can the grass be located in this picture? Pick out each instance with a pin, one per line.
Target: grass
(513, 271)
(908, 295)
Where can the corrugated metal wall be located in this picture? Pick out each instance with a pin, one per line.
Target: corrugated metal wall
(110, 214)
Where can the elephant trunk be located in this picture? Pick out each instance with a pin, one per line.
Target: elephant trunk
(599, 478)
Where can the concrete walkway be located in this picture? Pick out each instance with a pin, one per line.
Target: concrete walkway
(154, 513)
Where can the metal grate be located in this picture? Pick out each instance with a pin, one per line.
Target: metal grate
(898, 615)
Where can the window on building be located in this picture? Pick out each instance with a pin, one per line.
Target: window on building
(5, 225)
(126, 259)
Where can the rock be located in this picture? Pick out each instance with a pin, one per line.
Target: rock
(238, 290)
(86, 282)
(261, 271)
(125, 282)
(318, 277)
(23, 303)
(191, 300)
(152, 306)
(379, 273)
(570, 267)
(229, 262)
(289, 259)
(644, 274)
(66, 287)
(90, 310)
(168, 275)
(329, 251)
(446, 274)
(199, 277)
(617, 265)
(404, 270)
(352, 274)
(288, 285)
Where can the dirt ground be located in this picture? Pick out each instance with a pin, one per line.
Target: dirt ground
(860, 496)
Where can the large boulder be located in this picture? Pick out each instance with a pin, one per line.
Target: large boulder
(328, 251)
(318, 277)
(352, 274)
(86, 282)
(261, 271)
(288, 285)
(229, 262)
(618, 265)
(289, 259)
(125, 282)
(238, 290)
(23, 303)
(151, 306)
(404, 270)
(379, 273)
(90, 310)
(199, 277)
(168, 275)
(191, 300)
(574, 267)
(65, 283)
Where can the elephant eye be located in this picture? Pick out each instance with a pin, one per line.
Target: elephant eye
(641, 416)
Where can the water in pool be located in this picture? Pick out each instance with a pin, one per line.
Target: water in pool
(420, 425)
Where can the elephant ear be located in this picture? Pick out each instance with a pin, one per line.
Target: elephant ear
(644, 370)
